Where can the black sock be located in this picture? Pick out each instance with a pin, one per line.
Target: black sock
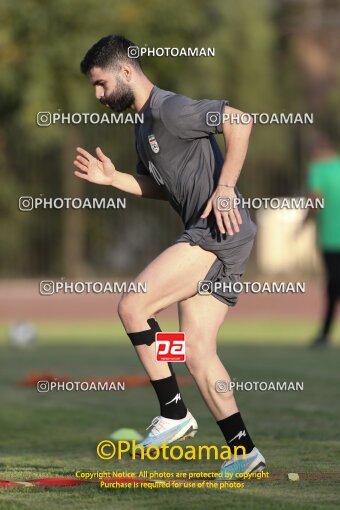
(235, 432)
(169, 397)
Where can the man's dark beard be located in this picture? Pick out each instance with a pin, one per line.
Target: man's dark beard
(121, 99)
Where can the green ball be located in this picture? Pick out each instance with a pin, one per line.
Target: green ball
(125, 435)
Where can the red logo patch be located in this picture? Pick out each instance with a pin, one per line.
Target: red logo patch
(170, 346)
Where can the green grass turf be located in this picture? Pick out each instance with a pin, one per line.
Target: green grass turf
(270, 331)
(55, 434)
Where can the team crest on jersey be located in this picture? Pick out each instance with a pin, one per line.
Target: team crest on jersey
(153, 143)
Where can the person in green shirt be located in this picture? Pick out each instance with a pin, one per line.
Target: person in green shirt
(323, 181)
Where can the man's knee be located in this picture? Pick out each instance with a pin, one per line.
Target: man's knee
(129, 307)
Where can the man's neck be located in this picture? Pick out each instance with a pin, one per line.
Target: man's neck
(144, 90)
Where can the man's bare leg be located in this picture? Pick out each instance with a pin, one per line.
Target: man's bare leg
(200, 317)
(171, 277)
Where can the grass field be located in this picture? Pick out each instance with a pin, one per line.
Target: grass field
(264, 331)
(55, 434)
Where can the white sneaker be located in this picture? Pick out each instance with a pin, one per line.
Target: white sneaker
(253, 462)
(166, 431)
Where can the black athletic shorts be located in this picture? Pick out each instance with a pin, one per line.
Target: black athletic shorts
(232, 256)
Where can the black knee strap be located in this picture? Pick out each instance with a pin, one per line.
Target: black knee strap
(145, 337)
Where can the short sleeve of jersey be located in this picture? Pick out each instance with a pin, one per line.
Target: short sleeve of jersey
(141, 168)
(314, 177)
(189, 118)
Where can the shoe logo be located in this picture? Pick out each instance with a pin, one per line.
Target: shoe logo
(176, 399)
(240, 434)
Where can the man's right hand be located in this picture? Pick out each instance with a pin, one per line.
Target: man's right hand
(99, 170)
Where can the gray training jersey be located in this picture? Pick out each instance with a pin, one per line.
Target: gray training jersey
(176, 146)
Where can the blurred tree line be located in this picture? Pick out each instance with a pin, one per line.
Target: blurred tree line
(271, 56)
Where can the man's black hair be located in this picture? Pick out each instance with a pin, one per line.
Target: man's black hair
(110, 51)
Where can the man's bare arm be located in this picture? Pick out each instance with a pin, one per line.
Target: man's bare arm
(101, 170)
(140, 185)
(236, 136)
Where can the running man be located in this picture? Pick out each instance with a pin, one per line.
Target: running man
(179, 161)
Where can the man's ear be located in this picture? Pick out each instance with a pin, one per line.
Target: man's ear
(127, 72)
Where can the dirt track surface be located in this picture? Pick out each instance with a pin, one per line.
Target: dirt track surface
(20, 300)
